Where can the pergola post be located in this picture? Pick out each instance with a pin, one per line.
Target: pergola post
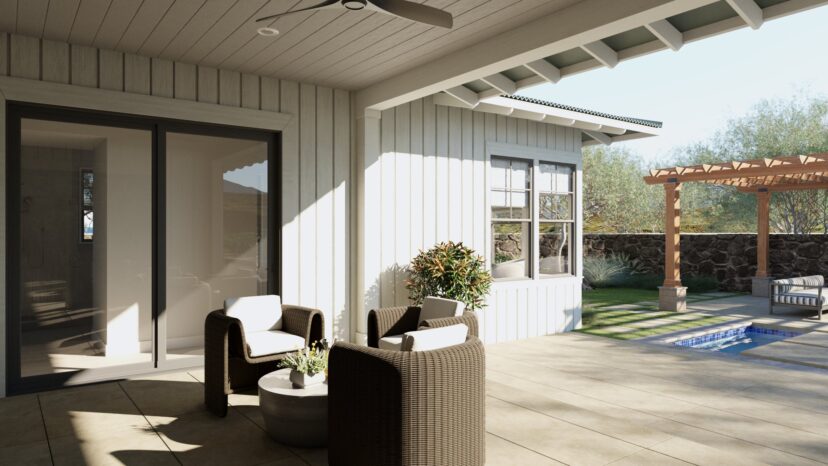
(672, 296)
(761, 281)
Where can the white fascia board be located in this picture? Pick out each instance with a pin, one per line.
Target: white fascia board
(667, 33)
(580, 23)
(572, 115)
(749, 11)
(602, 52)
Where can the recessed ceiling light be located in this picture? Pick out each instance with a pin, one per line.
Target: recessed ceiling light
(267, 32)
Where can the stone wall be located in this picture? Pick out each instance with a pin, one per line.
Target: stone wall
(731, 258)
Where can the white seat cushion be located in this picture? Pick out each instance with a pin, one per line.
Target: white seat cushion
(272, 342)
(256, 313)
(803, 297)
(435, 338)
(437, 308)
(391, 342)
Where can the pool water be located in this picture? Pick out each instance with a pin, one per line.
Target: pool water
(736, 340)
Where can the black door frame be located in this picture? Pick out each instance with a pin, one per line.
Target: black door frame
(159, 127)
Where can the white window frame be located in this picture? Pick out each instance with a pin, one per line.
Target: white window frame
(536, 155)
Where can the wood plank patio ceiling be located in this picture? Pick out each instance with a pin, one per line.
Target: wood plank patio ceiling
(349, 50)
(788, 173)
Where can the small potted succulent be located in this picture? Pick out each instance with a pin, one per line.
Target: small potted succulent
(308, 366)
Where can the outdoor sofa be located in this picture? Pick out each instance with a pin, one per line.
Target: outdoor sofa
(387, 325)
(407, 407)
(247, 339)
(804, 292)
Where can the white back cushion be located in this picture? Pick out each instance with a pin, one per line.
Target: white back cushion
(435, 338)
(437, 308)
(257, 313)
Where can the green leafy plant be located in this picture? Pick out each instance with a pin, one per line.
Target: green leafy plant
(309, 361)
(449, 270)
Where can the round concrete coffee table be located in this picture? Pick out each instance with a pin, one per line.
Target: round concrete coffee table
(294, 416)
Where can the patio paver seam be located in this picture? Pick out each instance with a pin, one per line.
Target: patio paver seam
(235, 408)
(656, 452)
(604, 434)
(154, 430)
(723, 434)
(45, 431)
(526, 447)
(731, 392)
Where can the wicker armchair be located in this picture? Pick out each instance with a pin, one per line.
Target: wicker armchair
(398, 320)
(228, 365)
(406, 408)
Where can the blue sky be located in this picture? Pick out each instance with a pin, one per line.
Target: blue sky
(696, 90)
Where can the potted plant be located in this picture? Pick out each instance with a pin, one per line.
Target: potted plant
(308, 366)
(449, 270)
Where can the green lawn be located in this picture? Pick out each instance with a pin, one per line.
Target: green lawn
(629, 313)
(603, 297)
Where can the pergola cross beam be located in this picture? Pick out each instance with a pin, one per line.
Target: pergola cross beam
(790, 165)
(761, 177)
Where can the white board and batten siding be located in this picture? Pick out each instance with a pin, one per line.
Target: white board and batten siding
(431, 167)
(316, 148)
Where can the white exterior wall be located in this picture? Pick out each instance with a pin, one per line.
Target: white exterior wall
(425, 171)
(316, 144)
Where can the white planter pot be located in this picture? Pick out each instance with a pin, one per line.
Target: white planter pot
(300, 380)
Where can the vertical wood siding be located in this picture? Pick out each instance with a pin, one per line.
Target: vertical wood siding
(316, 148)
(432, 172)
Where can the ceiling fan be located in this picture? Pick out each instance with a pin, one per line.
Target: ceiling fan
(401, 8)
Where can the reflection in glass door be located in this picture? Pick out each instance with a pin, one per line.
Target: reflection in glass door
(124, 232)
(84, 227)
(216, 232)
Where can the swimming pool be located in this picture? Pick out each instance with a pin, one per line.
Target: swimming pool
(736, 340)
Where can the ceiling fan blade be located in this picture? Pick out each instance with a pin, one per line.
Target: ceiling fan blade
(415, 12)
(324, 4)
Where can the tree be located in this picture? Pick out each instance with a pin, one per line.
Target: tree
(616, 199)
(772, 128)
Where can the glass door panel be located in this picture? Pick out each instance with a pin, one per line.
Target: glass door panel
(85, 249)
(216, 232)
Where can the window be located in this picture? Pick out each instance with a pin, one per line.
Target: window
(532, 218)
(511, 217)
(555, 218)
(87, 179)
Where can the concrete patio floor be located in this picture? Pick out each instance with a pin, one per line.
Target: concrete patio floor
(565, 399)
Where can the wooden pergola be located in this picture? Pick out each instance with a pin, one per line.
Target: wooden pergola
(760, 177)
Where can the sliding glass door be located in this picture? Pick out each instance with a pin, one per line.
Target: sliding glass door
(123, 233)
(216, 229)
(83, 261)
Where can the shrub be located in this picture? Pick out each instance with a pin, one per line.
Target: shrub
(604, 271)
(700, 283)
(694, 283)
(449, 270)
(645, 281)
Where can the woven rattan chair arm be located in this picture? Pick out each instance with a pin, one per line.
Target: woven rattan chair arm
(305, 322)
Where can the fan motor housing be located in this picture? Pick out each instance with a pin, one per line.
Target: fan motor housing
(354, 4)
